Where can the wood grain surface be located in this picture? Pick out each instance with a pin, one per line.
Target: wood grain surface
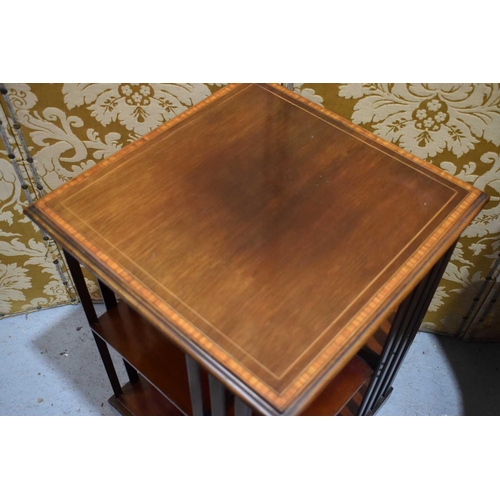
(265, 236)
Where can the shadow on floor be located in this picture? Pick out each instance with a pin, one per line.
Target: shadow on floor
(476, 366)
(69, 348)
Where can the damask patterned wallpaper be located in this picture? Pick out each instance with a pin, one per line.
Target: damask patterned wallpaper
(70, 127)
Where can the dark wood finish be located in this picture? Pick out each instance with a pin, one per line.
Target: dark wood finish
(88, 307)
(217, 397)
(372, 350)
(143, 400)
(195, 386)
(133, 375)
(108, 365)
(264, 235)
(377, 341)
(110, 301)
(341, 390)
(351, 409)
(241, 409)
(107, 295)
(162, 364)
(76, 273)
(404, 328)
(149, 351)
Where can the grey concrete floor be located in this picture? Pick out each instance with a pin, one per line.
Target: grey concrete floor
(49, 365)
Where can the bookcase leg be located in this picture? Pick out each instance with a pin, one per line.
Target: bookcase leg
(81, 287)
(380, 402)
(110, 301)
(108, 365)
(133, 376)
(217, 397)
(241, 409)
(406, 323)
(195, 389)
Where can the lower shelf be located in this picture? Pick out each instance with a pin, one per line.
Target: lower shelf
(142, 400)
(149, 351)
(163, 388)
(348, 386)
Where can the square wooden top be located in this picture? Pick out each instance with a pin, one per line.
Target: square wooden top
(266, 236)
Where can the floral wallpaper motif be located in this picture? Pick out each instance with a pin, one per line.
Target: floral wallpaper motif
(426, 118)
(13, 279)
(140, 107)
(70, 127)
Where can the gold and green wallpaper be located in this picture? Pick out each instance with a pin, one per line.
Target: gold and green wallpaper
(55, 131)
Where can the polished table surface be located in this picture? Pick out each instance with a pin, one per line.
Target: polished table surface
(264, 235)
